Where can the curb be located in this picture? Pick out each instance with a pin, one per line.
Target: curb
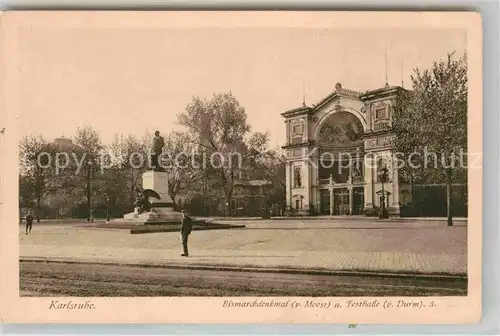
(158, 228)
(373, 219)
(217, 226)
(256, 269)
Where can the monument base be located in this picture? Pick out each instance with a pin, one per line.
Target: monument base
(162, 210)
(156, 214)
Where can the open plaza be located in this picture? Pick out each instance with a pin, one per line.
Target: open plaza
(333, 245)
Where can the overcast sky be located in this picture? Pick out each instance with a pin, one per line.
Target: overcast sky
(136, 80)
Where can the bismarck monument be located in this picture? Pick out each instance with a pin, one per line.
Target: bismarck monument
(153, 204)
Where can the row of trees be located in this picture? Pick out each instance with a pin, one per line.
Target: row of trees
(217, 125)
(431, 117)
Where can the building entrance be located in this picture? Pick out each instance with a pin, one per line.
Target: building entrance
(341, 201)
(324, 202)
(358, 202)
(342, 204)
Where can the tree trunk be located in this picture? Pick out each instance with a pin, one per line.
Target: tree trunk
(88, 199)
(412, 195)
(229, 198)
(448, 198)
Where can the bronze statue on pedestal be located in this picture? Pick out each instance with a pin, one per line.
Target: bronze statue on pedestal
(156, 150)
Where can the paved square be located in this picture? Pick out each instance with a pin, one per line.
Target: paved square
(335, 245)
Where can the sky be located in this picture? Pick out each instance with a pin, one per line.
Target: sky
(134, 81)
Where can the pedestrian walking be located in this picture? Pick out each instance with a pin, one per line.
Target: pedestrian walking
(186, 228)
(29, 222)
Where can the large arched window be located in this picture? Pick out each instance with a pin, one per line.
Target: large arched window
(341, 129)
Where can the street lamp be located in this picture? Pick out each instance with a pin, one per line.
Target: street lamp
(107, 208)
(383, 177)
(89, 191)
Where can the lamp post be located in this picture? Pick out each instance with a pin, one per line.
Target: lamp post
(89, 191)
(107, 209)
(383, 176)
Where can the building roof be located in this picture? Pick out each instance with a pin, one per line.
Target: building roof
(64, 144)
(254, 183)
(343, 92)
(339, 91)
(298, 111)
(380, 92)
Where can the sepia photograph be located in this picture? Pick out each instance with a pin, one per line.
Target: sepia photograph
(253, 163)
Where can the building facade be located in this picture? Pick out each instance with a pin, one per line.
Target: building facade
(336, 150)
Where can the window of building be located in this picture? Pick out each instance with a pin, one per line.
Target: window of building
(297, 204)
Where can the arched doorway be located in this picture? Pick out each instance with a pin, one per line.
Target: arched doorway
(341, 147)
(340, 138)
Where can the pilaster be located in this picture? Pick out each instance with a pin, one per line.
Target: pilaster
(351, 200)
(306, 183)
(306, 130)
(289, 184)
(332, 202)
(287, 123)
(368, 192)
(395, 189)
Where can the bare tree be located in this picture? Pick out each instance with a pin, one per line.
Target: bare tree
(180, 165)
(218, 127)
(36, 168)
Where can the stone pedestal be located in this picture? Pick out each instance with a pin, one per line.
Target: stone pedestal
(158, 181)
(162, 210)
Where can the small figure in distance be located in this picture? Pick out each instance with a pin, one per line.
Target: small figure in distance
(29, 222)
(186, 228)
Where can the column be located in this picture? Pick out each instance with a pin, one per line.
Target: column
(306, 184)
(395, 187)
(351, 200)
(350, 171)
(288, 181)
(368, 117)
(315, 193)
(368, 172)
(332, 199)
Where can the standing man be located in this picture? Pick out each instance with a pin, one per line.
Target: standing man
(156, 150)
(29, 222)
(186, 228)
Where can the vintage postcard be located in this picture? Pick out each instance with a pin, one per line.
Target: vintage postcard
(241, 167)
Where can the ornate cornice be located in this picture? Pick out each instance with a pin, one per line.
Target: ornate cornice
(339, 92)
(380, 93)
(299, 145)
(304, 110)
